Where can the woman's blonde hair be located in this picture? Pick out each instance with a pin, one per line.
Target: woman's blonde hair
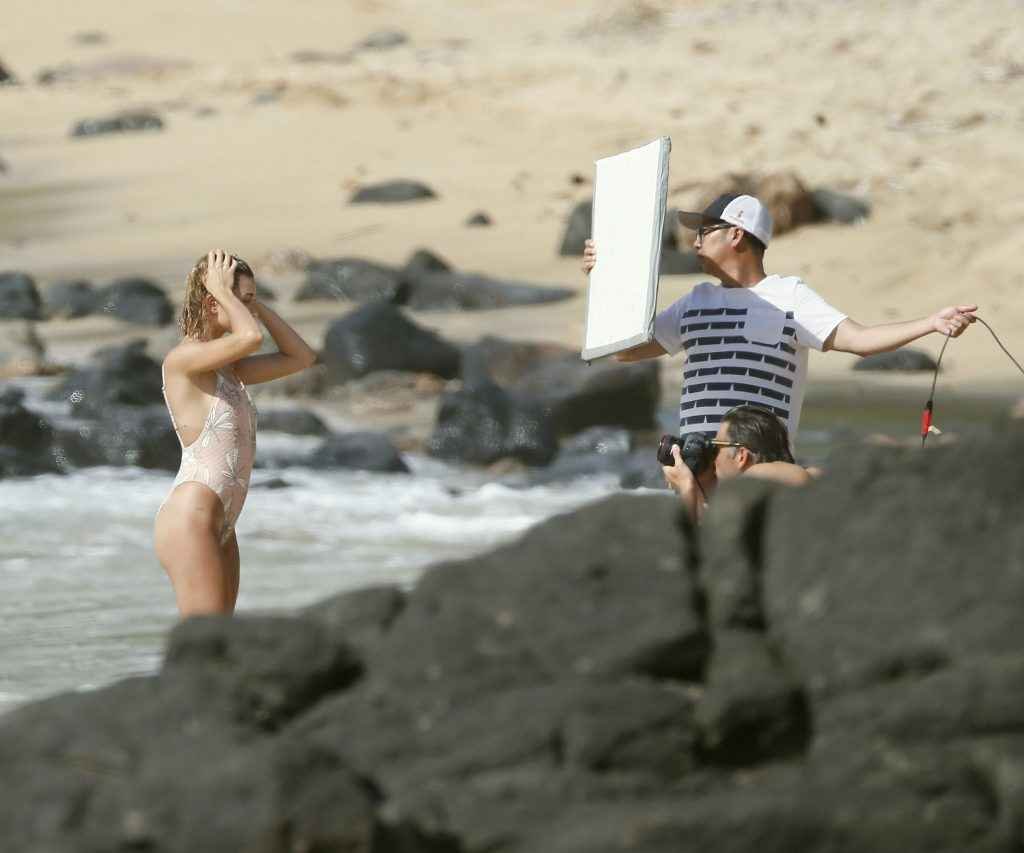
(194, 320)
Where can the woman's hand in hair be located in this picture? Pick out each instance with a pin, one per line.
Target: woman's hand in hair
(220, 274)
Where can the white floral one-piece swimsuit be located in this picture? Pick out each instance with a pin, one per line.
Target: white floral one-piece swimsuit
(222, 455)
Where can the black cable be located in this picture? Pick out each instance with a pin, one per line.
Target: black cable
(926, 418)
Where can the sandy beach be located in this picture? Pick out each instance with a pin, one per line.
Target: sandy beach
(915, 107)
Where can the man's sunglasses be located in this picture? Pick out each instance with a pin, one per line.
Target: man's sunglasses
(704, 230)
(717, 444)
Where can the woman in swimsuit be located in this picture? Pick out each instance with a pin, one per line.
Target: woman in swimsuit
(204, 385)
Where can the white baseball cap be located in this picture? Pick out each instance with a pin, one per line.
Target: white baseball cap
(743, 211)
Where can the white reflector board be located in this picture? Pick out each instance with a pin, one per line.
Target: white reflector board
(630, 190)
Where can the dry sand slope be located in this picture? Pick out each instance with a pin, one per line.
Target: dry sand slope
(917, 106)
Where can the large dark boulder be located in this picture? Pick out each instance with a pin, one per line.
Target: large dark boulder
(125, 122)
(360, 451)
(118, 375)
(605, 393)
(121, 435)
(593, 688)
(352, 279)
(136, 300)
(26, 439)
(378, 336)
(482, 423)
(905, 358)
(505, 361)
(911, 564)
(71, 299)
(392, 192)
(553, 606)
(186, 761)
(19, 297)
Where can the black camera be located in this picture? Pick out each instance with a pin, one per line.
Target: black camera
(696, 449)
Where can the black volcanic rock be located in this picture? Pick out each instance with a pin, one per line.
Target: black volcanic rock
(126, 122)
(19, 297)
(135, 300)
(392, 192)
(378, 336)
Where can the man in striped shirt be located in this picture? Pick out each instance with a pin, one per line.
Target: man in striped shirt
(746, 339)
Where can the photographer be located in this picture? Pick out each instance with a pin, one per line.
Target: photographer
(750, 441)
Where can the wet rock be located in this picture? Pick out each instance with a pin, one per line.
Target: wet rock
(505, 361)
(22, 352)
(71, 299)
(26, 439)
(351, 279)
(594, 451)
(383, 40)
(480, 219)
(6, 77)
(392, 192)
(379, 336)
(122, 436)
(122, 375)
(483, 423)
(905, 358)
(834, 206)
(293, 422)
(360, 451)
(136, 300)
(576, 395)
(126, 122)
(19, 297)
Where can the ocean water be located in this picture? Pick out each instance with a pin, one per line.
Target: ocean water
(83, 600)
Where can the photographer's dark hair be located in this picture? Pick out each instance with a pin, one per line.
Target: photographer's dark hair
(760, 431)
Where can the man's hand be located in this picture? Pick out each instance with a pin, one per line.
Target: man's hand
(679, 476)
(954, 320)
(589, 256)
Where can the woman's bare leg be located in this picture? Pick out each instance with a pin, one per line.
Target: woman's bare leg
(186, 540)
(229, 553)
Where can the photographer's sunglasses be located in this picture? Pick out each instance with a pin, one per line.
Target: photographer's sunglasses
(717, 444)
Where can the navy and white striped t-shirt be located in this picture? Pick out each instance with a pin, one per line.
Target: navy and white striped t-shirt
(745, 345)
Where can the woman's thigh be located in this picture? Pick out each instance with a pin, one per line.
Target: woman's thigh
(232, 560)
(188, 547)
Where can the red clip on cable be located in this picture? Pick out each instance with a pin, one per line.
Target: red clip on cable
(926, 421)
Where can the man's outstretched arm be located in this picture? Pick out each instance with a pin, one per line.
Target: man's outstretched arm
(851, 336)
